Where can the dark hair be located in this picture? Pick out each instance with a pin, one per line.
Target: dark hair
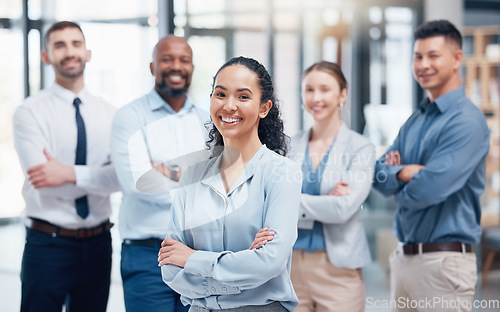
(329, 68)
(270, 128)
(60, 26)
(438, 28)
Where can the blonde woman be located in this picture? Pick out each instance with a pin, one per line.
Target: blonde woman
(337, 171)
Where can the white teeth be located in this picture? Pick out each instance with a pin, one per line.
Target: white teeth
(175, 78)
(426, 75)
(231, 120)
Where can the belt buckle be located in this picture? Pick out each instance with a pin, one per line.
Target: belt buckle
(413, 249)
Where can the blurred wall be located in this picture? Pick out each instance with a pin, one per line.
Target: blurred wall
(452, 10)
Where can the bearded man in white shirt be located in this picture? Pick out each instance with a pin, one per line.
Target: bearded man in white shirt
(62, 139)
(160, 130)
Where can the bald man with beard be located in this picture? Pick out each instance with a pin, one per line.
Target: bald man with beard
(148, 134)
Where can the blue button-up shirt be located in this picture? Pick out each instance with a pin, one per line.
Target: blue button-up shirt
(440, 203)
(144, 131)
(312, 239)
(221, 226)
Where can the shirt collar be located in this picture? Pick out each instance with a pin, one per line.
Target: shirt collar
(156, 102)
(424, 104)
(445, 101)
(248, 172)
(68, 96)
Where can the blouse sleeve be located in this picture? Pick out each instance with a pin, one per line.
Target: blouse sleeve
(193, 286)
(248, 269)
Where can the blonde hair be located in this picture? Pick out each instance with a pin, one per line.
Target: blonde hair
(329, 68)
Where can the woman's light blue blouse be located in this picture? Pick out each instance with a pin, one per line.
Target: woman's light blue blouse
(221, 226)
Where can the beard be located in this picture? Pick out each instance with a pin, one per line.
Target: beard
(72, 73)
(164, 88)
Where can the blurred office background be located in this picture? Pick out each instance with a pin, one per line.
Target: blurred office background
(371, 39)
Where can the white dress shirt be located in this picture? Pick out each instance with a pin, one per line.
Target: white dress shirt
(47, 121)
(221, 226)
(144, 131)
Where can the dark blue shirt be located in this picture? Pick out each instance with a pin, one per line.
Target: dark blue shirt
(440, 203)
(311, 240)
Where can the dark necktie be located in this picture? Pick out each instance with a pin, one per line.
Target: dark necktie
(82, 204)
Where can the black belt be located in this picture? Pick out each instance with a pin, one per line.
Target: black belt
(46, 227)
(149, 242)
(414, 249)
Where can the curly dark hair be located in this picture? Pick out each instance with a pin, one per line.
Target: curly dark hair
(270, 128)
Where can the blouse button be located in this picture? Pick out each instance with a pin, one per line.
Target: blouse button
(213, 289)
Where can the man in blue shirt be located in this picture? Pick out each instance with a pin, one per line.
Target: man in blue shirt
(436, 171)
(151, 133)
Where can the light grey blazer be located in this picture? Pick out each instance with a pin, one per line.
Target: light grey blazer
(351, 159)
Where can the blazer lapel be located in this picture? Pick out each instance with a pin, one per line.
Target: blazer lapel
(298, 146)
(337, 159)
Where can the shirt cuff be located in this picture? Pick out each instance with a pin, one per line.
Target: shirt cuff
(216, 288)
(392, 178)
(201, 263)
(82, 175)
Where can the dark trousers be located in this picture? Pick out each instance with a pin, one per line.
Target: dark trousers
(62, 270)
(143, 287)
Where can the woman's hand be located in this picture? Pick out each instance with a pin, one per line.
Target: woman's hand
(340, 189)
(174, 252)
(261, 238)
